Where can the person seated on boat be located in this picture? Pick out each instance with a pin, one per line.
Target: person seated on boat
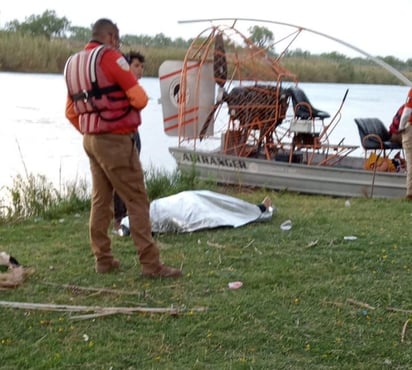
(399, 162)
(396, 136)
(385, 164)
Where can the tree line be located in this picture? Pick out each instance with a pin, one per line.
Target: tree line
(50, 26)
(69, 38)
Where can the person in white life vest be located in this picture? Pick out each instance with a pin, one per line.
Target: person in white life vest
(405, 127)
(103, 103)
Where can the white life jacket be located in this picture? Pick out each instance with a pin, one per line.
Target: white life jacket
(102, 106)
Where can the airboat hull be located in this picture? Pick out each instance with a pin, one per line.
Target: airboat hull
(344, 180)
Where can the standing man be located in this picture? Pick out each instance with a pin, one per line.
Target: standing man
(103, 103)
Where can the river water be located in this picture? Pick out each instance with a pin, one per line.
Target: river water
(36, 137)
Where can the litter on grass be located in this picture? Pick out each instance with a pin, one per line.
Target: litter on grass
(235, 284)
(286, 226)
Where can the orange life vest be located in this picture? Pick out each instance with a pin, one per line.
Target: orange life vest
(102, 106)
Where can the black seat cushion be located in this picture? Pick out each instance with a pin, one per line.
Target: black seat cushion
(303, 108)
(374, 135)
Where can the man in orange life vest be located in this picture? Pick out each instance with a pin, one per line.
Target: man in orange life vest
(103, 103)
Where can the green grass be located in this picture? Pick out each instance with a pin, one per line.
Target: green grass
(291, 313)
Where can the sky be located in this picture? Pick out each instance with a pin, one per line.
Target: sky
(378, 28)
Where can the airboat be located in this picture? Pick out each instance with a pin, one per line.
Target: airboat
(241, 118)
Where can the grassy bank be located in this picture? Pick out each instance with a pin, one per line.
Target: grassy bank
(310, 299)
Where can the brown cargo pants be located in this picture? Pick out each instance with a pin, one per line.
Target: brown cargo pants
(115, 165)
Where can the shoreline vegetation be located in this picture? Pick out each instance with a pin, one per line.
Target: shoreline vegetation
(33, 196)
(24, 53)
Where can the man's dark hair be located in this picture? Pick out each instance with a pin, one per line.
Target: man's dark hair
(134, 55)
(102, 27)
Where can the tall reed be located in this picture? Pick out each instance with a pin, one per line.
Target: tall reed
(35, 196)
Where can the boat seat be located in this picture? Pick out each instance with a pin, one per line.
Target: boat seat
(305, 126)
(302, 107)
(374, 135)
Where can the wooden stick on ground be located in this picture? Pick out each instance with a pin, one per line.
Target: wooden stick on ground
(249, 244)
(100, 311)
(359, 304)
(333, 303)
(394, 309)
(76, 288)
(404, 330)
(92, 315)
(216, 245)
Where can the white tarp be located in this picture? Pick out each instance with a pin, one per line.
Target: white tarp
(202, 209)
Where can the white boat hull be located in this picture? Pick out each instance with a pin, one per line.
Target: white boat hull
(270, 174)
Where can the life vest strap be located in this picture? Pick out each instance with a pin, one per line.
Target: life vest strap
(95, 92)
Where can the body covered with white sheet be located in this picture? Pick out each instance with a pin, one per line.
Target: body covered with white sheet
(202, 209)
